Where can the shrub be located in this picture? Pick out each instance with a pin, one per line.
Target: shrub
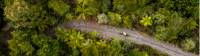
(114, 18)
(59, 6)
(188, 44)
(102, 18)
(146, 21)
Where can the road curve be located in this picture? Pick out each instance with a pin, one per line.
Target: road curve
(107, 32)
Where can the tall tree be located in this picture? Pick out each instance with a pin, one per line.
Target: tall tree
(23, 15)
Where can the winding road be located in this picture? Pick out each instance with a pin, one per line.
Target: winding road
(107, 32)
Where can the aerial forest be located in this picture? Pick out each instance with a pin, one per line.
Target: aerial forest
(36, 27)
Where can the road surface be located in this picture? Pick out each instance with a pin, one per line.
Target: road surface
(107, 32)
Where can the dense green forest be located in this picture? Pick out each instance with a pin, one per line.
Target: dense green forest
(31, 27)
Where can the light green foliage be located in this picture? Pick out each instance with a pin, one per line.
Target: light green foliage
(188, 44)
(160, 18)
(168, 25)
(114, 18)
(89, 49)
(89, 46)
(72, 38)
(18, 6)
(93, 35)
(60, 6)
(192, 24)
(86, 7)
(75, 39)
(61, 33)
(117, 47)
(20, 45)
(144, 51)
(100, 48)
(137, 53)
(146, 21)
(127, 21)
(8, 2)
(20, 48)
(174, 26)
(20, 14)
(68, 17)
(28, 43)
(161, 33)
(102, 18)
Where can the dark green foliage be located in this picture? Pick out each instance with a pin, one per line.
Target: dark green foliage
(186, 8)
(8, 2)
(2, 24)
(60, 6)
(46, 45)
(170, 25)
(1, 44)
(127, 6)
(61, 10)
(105, 5)
(2, 21)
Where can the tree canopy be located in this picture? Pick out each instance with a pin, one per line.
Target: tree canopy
(34, 26)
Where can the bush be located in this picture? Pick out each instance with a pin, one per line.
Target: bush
(188, 44)
(146, 21)
(168, 25)
(186, 8)
(20, 45)
(86, 8)
(46, 46)
(102, 19)
(127, 6)
(59, 6)
(114, 18)
(127, 21)
(137, 53)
